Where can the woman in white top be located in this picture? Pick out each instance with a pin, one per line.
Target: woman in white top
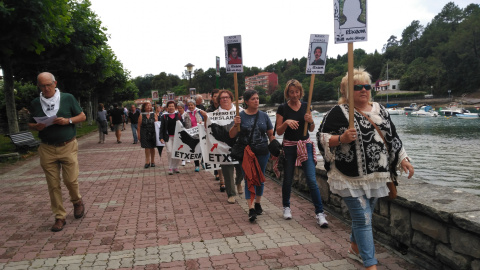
(225, 99)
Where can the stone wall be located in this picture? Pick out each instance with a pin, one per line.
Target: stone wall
(433, 226)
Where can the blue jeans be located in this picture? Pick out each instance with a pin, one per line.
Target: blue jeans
(308, 167)
(134, 132)
(361, 212)
(262, 161)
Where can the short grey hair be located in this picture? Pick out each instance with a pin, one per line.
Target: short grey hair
(191, 101)
(197, 97)
(180, 104)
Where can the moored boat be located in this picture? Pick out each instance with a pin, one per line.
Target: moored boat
(413, 107)
(271, 112)
(395, 111)
(424, 111)
(316, 113)
(468, 115)
(454, 108)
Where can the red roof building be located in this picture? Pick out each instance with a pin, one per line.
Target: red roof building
(267, 80)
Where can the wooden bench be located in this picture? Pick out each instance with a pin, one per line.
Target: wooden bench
(23, 141)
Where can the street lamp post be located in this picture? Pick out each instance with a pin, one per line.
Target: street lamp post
(449, 91)
(189, 71)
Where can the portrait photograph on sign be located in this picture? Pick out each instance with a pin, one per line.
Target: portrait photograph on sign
(155, 96)
(233, 54)
(317, 54)
(350, 20)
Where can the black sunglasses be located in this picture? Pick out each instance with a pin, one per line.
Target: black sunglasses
(359, 87)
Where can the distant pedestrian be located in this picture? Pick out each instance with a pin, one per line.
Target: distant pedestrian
(117, 121)
(102, 123)
(146, 133)
(199, 102)
(191, 119)
(125, 112)
(133, 115)
(59, 148)
(158, 115)
(167, 134)
(181, 112)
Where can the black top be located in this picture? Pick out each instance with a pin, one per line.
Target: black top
(211, 108)
(116, 115)
(167, 126)
(201, 107)
(287, 113)
(133, 116)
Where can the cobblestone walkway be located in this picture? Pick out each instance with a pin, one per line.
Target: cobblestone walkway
(140, 218)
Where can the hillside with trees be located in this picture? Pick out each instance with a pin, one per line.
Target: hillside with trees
(444, 54)
(67, 38)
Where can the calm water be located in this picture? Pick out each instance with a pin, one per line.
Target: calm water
(444, 151)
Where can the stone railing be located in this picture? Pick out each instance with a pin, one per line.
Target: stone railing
(432, 226)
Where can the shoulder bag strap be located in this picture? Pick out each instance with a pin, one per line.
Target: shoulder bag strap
(393, 173)
(253, 128)
(376, 127)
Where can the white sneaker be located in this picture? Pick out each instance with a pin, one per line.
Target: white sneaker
(287, 213)
(321, 220)
(183, 162)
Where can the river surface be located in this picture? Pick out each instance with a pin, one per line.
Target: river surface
(444, 151)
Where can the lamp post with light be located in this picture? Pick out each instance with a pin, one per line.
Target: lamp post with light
(189, 72)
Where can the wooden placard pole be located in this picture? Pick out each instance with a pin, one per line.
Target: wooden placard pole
(351, 104)
(235, 82)
(310, 92)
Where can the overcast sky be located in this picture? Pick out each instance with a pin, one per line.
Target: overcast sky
(152, 36)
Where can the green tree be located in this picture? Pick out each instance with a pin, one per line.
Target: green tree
(373, 64)
(28, 26)
(410, 41)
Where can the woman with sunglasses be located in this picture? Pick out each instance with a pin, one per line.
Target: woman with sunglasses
(359, 161)
(298, 148)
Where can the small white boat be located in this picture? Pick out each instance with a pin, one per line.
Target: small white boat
(413, 107)
(271, 113)
(395, 111)
(425, 111)
(453, 109)
(316, 113)
(468, 115)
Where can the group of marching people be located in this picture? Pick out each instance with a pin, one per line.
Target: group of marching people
(359, 161)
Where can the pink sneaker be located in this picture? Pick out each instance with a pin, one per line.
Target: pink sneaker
(176, 170)
(170, 171)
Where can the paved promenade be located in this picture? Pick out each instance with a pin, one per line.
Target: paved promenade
(140, 218)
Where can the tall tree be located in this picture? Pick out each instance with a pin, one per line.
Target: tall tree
(28, 25)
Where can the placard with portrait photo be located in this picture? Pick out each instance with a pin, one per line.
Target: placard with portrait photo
(233, 54)
(155, 96)
(317, 54)
(350, 20)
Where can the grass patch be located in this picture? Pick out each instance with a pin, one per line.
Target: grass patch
(6, 145)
